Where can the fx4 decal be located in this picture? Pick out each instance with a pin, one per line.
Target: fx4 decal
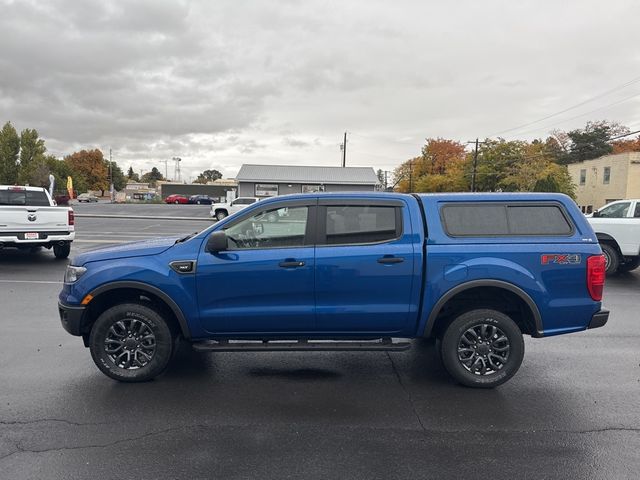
(560, 259)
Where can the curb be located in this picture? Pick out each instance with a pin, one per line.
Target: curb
(143, 217)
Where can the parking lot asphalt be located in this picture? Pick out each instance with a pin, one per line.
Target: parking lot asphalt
(572, 411)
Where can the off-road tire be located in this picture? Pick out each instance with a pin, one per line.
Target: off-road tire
(125, 315)
(495, 321)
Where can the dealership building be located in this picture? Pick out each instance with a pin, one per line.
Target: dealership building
(271, 180)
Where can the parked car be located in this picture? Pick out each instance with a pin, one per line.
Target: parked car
(87, 197)
(200, 199)
(347, 272)
(30, 219)
(176, 199)
(617, 226)
(223, 210)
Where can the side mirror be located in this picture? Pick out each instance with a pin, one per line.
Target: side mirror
(217, 242)
(595, 213)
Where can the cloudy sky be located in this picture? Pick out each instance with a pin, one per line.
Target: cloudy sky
(221, 83)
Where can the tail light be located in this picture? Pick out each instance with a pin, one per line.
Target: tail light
(595, 276)
(72, 218)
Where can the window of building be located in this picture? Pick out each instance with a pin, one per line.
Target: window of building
(490, 220)
(266, 190)
(583, 176)
(589, 209)
(274, 228)
(617, 210)
(312, 188)
(357, 224)
(606, 176)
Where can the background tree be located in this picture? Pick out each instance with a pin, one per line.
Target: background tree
(61, 170)
(132, 176)
(152, 177)
(32, 152)
(9, 154)
(90, 165)
(622, 146)
(118, 178)
(208, 176)
(441, 168)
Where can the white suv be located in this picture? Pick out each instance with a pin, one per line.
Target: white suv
(617, 226)
(223, 210)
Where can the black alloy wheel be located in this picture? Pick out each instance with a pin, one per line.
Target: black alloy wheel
(482, 348)
(131, 343)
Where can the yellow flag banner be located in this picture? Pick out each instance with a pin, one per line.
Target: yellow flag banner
(70, 187)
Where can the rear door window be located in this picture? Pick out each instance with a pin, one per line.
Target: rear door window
(358, 224)
(505, 219)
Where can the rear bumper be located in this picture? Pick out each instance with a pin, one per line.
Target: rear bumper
(71, 318)
(599, 319)
(12, 239)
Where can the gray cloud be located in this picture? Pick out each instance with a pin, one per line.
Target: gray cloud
(232, 81)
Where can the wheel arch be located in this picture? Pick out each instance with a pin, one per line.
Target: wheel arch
(165, 301)
(535, 330)
(606, 238)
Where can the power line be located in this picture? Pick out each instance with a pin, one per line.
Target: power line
(581, 115)
(603, 94)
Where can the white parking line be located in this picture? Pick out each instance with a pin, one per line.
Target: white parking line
(31, 281)
(80, 240)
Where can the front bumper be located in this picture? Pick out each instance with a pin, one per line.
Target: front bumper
(599, 319)
(71, 318)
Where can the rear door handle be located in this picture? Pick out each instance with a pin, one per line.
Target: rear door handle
(291, 264)
(389, 260)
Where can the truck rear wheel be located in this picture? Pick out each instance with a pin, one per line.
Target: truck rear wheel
(62, 251)
(131, 343)
(482, 348)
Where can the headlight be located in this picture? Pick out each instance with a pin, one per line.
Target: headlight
(72, 274)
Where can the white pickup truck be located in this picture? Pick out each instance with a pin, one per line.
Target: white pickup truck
(617, 226)
(29, 219)
(223, 210)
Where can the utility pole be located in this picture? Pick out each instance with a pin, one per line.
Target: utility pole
(344, 151)
(410, 176)
(475, 168)
(110, 177)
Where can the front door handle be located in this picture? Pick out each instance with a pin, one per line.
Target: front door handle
(390, 260)
(291, 264)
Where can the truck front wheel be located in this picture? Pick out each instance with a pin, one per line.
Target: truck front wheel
(482, 348)
(131, 343)
(221, 214)
(611, 258)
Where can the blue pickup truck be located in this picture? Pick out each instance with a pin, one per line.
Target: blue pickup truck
(335, 272)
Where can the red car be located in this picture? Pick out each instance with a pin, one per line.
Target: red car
(176, 199)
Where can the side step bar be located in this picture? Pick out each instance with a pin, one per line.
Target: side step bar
(382, 344)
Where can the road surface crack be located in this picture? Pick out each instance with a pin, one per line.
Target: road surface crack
(406, 392)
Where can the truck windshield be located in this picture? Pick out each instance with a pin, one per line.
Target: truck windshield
(29, 198)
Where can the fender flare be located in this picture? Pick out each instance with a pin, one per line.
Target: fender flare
(173, 306)
(524, 296)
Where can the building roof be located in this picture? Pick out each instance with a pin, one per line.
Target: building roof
(307, 174)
